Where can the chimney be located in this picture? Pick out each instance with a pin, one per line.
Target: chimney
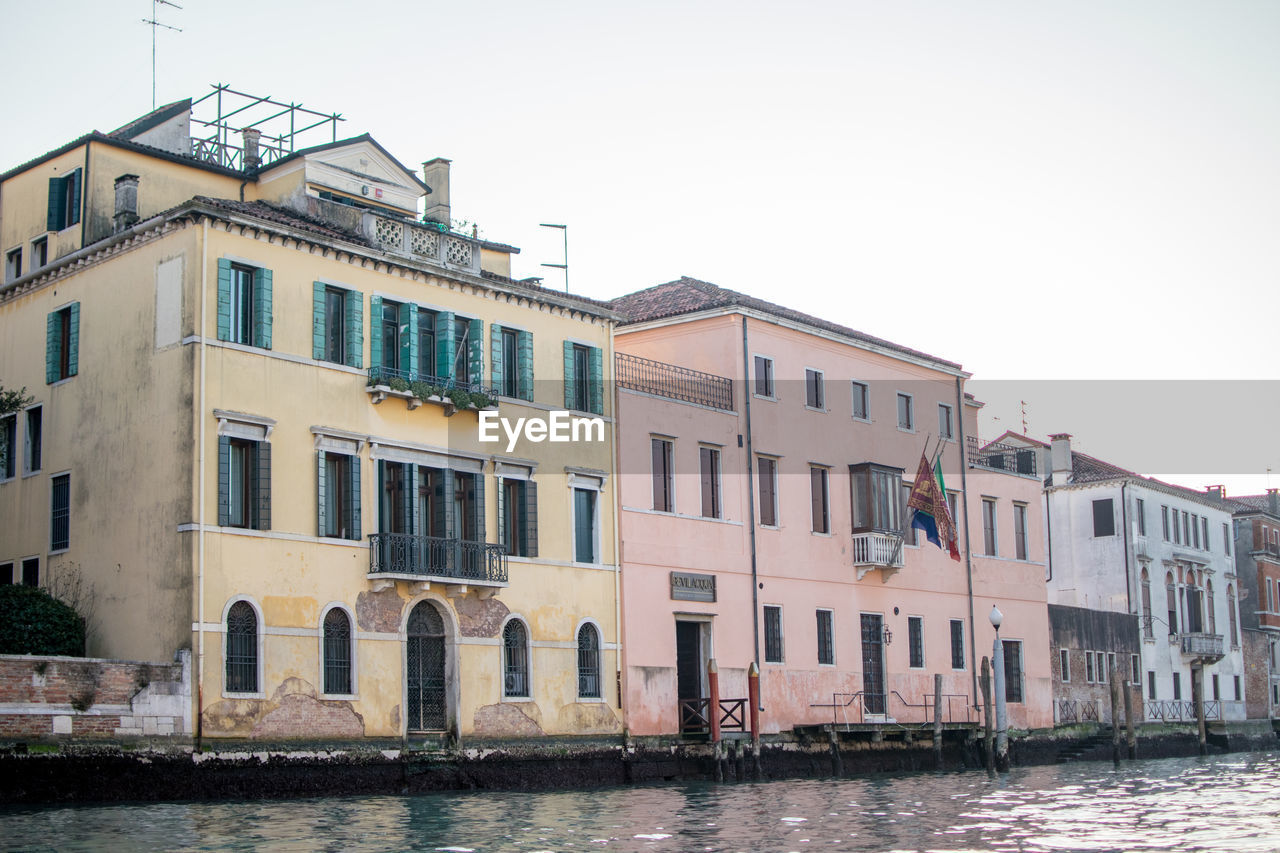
(435, 174)
(1273, 501)
(252, 156)
(1218, 493)
(126, 202)
(1060, 458)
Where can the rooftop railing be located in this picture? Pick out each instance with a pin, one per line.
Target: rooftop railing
(673, 382)
(1001, 457)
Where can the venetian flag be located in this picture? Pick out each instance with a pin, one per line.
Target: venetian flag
(928, 502)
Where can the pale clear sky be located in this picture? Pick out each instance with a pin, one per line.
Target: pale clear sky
(1047, 191)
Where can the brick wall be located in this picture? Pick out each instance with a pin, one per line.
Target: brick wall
(88, 697)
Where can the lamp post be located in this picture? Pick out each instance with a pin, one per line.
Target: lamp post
(565, 265)
(997, 663)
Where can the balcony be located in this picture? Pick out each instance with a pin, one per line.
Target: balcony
(673, 382)
(404, 556)
(416, 388)
(1009, 458)
(874, 550)
(422, 241)
(1207, 647)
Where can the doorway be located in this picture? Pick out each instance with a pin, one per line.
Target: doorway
(873, 697)
(424, 669)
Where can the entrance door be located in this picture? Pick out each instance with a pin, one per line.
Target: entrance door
(424, 669)
(688, 660)
(873, 663)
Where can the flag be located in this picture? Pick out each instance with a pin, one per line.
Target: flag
(950, 523)
(928, 502)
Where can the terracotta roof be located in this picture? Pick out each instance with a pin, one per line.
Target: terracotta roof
(1089, 469)
(282, 216)
(687, 295)
(1247, 503)
(528, 284)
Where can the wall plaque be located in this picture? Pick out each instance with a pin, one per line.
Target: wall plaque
(687, 586)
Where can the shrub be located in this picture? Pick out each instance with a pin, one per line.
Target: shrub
(32, 622)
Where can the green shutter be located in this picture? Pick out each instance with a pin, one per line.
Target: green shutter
(262, 486)
(355, 328)
(317, 320)
(475, 352)
(375, 331)
(444, 344)
(52, 348)
(479, 530)
(444, 503)
(500, 498)
(353, 528)
(570, 384)
(524, 365)
(74, 178)
(73, 347)
(409, 341)
(495, 355)
(224, 481)
(530, 520)
(262, 308)
(595, 371)
(322, 520)
(56, 189)
(224, 300)
(410, 496)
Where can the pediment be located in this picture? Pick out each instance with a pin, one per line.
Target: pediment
(360, 168)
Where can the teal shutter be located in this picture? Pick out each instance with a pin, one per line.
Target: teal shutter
(444, 344)
(500, 498)
(444, 503)
(322, 511)
(409, 341)
(262, 485)
(74, 178)
(262, 308)
(355, 328)
(410, 496)
(479, 519)
(224, 300)
(570, 383)
(495, 355)
(73, 346)
(375, 331)
(224, 481)
(475, 353)
(595, 378)
(54, 221)
(317, 320)
(530, 521)
(524, 365)
(353, 529)
(52, 348)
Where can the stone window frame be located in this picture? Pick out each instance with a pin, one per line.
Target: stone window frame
(260, 693)
(354, 659)
(600, 649)
(527, 696)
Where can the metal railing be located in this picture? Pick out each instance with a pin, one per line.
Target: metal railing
(877, 549)
(436, 556)
(695, 716)
(1202, 645)
(673, 382)
(231, 156)
(1181, 710)
(1000, 457)
(380, 375)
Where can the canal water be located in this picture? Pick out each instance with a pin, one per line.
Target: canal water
(1224, 803)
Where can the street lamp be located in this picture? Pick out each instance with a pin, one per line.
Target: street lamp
(997, 659)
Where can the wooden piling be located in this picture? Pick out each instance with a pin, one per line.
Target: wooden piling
(1115, 715)
(1130, 735)
(837, 763)
(753, 699)
(990, 739)
(1197, 699)
(937, 721)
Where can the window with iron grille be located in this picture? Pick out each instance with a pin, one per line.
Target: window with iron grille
(337, 652)
(826, 638)
(957, 644)
(1012, 670)
(772, 634)
(60, 514)
(242, 648)
(915, 642)
(515, 660)
(588, 662)
(1064, 664)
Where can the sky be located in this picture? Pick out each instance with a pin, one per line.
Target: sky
(1041, 192)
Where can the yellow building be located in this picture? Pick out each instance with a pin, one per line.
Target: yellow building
(260, 378)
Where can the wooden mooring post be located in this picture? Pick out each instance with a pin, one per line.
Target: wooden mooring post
(937, 721)
(1115, 715)
(990, 740)
(713, 714)
(1130, 735)
(753, 699)
(1197, 699)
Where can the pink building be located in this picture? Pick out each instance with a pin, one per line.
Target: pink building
(765, 458)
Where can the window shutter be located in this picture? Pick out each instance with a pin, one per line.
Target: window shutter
(74, 179)
(54, 221)
(353, 481)
(262, 308)
(355, 328)
(52, 348)
(475, 353)
(224, 481)
(262, 485)
(444, 345)
(704, 464)
(375, 331)
(766, 492)
(224, 300)
(500, 498)
(595, 391)
(478, 528)
(317, 320)
(570, 384)
(444, 504)
(818, 512)
(524, 365)
(409, 341)
(495, 357)
(530, 520)
(410, 497)
(322, 525)
(73, 346)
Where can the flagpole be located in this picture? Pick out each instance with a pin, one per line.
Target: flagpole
(906, 520)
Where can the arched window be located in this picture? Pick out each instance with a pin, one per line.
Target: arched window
(1148, 630)
(1208, 606)
(1231, 614)
(588, 662)
(1172, 602)
(515, 659)
(242, 648)
(337, 652)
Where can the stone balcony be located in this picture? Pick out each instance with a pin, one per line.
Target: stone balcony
(1207, 648)
(876, 550)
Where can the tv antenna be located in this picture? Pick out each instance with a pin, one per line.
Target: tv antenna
(155, 23)
(565, 265)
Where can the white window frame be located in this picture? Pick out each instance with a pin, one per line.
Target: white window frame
(911, 412)
(834, 646)
(600, 650)
(355, 675)
(950, 435)
(995, 527)
(773, 378)
(262, 656)
(924, 657)
(26, 439)
(821, 386)
(528, 654)
(782, 634)
(15, 448)
(590, 483)
(854, 384)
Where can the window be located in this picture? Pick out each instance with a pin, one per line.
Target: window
(876, 497)
(1111, 665)
(1204, 532)
(588, 662)
(427, 348)
(1177, 686)
(989, 527)
(826, 639)
(1208, 596)
(1177, 529)
(1226, 540)
(911, 536)
(906, 417)
(1104, 520)
(772, 634)
(764, 376)
(39, 252)
(1231, 615)
(1216, 695)
(31, 571)
(242, 648)
(508, 375)
(663, 483)
(62, 344)
(515, 660)
(1270, 603)
(64, 201)
(1195, 530)
(31, 451)
(1151, 684)
(957, 644)
(953, 500)
(584, 526)
(815, 396)
(6, 574)
(512, 355)
(337, 652)
(388, 344)
(1141, 511)
(1090, 675)
(818, 500)
(244, 483)
(583, 378)
(861, 407)
(8, 447)
(915, 642)
(768, 472)
(1020, 531)
(518, 516)
(1164, 522)
(1148, 628)
(338, 495)
(946, 428)
(1134, 669)
(244, 304)
(1012, 670)
(1064, 664)
(338, 325)
(335, 348)
(1186, 528)
(60, 513)
(1235, 679)
(13, 264)
(1171, 602)
(709, 468)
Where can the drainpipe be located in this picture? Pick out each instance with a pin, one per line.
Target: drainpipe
(968, 551)
(751, 503)
(617, 536)
(1048, 532)
(1124, 521)
(200, 465)
(84, 193)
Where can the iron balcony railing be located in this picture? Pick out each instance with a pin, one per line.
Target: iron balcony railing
(1202, 645)
(1001, 457)
(436, 556)
(877, 549)
(380, 375)
(673, 382)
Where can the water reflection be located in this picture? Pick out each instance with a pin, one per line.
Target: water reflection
(1227, 803)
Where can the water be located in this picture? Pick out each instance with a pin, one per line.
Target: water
(1226, 803)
